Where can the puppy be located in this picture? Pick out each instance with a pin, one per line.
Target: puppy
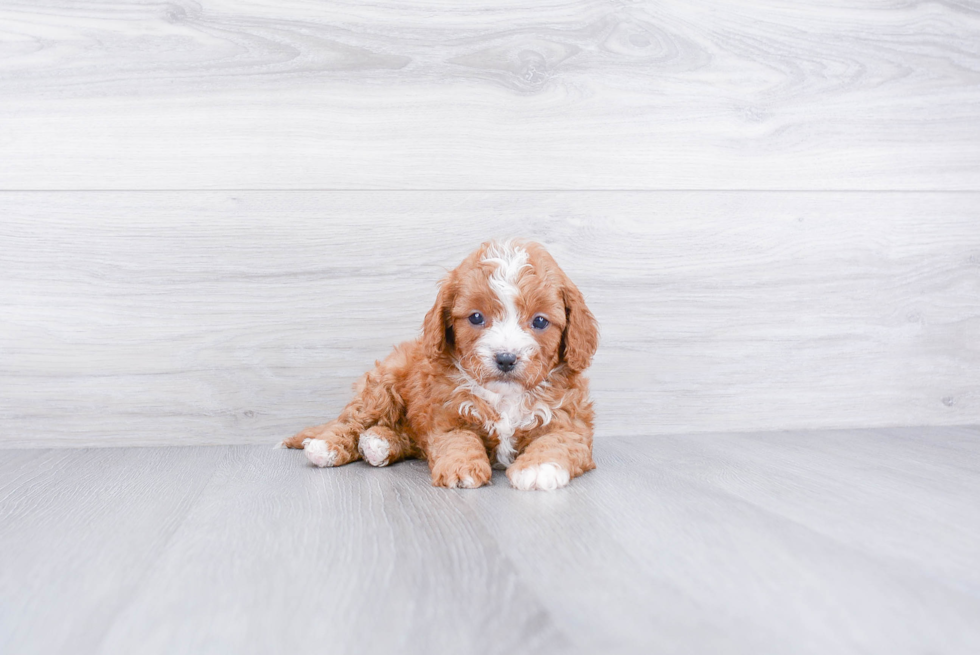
(495, 379)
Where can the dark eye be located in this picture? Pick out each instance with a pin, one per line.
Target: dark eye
(540, 323)
(476, 318)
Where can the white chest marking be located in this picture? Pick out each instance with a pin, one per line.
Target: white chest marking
(513, 412)
(516, 409)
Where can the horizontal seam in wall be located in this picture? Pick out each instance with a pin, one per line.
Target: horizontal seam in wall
(495, 190)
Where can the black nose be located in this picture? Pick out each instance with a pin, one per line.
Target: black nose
(505, 361)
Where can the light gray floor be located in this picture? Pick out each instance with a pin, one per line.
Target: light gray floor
(824, 542)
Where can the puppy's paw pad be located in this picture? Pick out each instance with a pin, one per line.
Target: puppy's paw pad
(470, 476)
(542, 477)
(374, 449)
(468, 482)
(318, 453)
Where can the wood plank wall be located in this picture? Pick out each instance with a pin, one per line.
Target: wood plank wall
(215, 215)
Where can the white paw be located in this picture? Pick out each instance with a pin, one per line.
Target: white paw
(545, 477)
(373, 449)
(317, 452)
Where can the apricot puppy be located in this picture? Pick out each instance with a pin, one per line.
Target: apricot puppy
(495, 379)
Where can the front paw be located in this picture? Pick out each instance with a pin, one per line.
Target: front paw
(544, 477)
(461, 475)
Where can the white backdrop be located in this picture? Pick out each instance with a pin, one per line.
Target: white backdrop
(215, 216)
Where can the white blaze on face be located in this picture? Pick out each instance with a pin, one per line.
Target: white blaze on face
(506, 334)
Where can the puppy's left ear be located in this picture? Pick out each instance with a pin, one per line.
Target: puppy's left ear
(437, 328)
(580, 339)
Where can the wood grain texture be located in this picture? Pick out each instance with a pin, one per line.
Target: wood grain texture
(217, 317)
(79, 529)
(845, 477)
(762, 94)
(858, 541)
(295, 561)
(744, 543)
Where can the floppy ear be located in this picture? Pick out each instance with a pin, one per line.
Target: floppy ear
(437, 329)
(581, 336)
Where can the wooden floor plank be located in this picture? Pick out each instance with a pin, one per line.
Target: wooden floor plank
(908, 500)
(295, 559)
(857, 541)
(78, 531)
(567, 546)
(772, 573)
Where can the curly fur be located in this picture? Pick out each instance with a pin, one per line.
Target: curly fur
(442, 397)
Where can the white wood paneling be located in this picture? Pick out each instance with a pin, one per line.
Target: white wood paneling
(761, 94)
(229, 317)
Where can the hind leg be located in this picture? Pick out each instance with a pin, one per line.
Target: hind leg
(299, 440)
(330, 444)
(374, 402)
(381, 446)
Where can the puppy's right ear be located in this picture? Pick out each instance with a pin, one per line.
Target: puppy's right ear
(437, 329)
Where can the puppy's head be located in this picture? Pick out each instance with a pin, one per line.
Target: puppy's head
(508, 313)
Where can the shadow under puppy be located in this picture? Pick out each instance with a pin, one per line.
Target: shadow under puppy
(494, 379)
